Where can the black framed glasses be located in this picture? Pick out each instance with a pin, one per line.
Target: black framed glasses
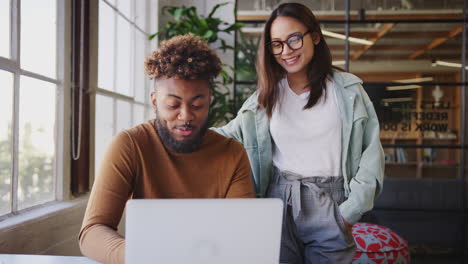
(294, 42)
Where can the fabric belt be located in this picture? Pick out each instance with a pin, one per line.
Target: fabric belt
(317, 185)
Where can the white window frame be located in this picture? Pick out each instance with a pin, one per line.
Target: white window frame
(149, 28)
(12, 65)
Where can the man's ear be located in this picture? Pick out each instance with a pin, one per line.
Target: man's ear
(315, 38)
(153, 95)
(153, 100)
(211, 93)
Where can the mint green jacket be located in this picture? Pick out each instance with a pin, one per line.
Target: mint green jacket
(362, 155)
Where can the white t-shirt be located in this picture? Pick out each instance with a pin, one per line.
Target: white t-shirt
(307, 142)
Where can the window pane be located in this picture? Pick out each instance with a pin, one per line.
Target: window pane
(104, 127)
(247, 46)
(124, 56)
(386, 5)
(414, 104)
(427, 115)
(140, 76)
(38, 36)
(404, 48)
(152, 28)
(138, 114)
(125, 7)
(6, 105)
(140, 14)
(124, 115)
(36, 142)
(106, 47)
(336, 46)
(5, 28)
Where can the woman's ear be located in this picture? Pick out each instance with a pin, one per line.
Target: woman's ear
(315, 38)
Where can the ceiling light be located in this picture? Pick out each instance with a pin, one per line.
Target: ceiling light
(351, 39)
(402, 87)
(415, 80)
(338, 62)
(447, 64)
(398, 99)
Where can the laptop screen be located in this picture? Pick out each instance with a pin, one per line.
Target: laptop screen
(203, 231)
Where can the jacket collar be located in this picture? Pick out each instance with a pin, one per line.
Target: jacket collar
(251, 103)
(345, 79)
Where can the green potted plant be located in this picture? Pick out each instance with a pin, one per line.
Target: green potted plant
(246, 56)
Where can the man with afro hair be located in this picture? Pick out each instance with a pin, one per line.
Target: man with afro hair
(171, 156)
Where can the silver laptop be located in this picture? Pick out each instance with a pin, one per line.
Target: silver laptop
(203, 231)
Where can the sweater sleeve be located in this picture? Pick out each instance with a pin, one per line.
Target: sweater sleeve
(112, 188)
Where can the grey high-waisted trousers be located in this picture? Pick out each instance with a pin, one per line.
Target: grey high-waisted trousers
(313, 230)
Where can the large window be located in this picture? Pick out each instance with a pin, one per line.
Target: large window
(417, 100)
(30, 86)
(122, 96)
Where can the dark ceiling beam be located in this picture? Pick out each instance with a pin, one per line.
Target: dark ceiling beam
(388, 57)
(436, 42)
(394, 47)
(382, 31)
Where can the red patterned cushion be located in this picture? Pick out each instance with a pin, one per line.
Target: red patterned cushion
(379, 245)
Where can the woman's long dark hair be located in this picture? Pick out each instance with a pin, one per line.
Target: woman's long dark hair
(270, 72)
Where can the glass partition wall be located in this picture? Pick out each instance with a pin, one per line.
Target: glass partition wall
(410, 56)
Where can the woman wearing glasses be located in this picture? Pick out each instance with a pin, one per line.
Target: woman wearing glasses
(312, 136)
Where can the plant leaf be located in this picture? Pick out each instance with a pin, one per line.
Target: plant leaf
(208, 34)
(188, 25)
(178, 12)
(216, 7)
(193, 16)
(204, 24)
(153, 35)
(233, 27)
(169, 9)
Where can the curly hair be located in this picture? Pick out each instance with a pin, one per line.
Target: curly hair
(184, 57)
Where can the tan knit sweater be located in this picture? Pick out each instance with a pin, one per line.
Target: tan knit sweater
(137, 165)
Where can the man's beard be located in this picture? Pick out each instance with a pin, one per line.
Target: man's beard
(180, 146)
